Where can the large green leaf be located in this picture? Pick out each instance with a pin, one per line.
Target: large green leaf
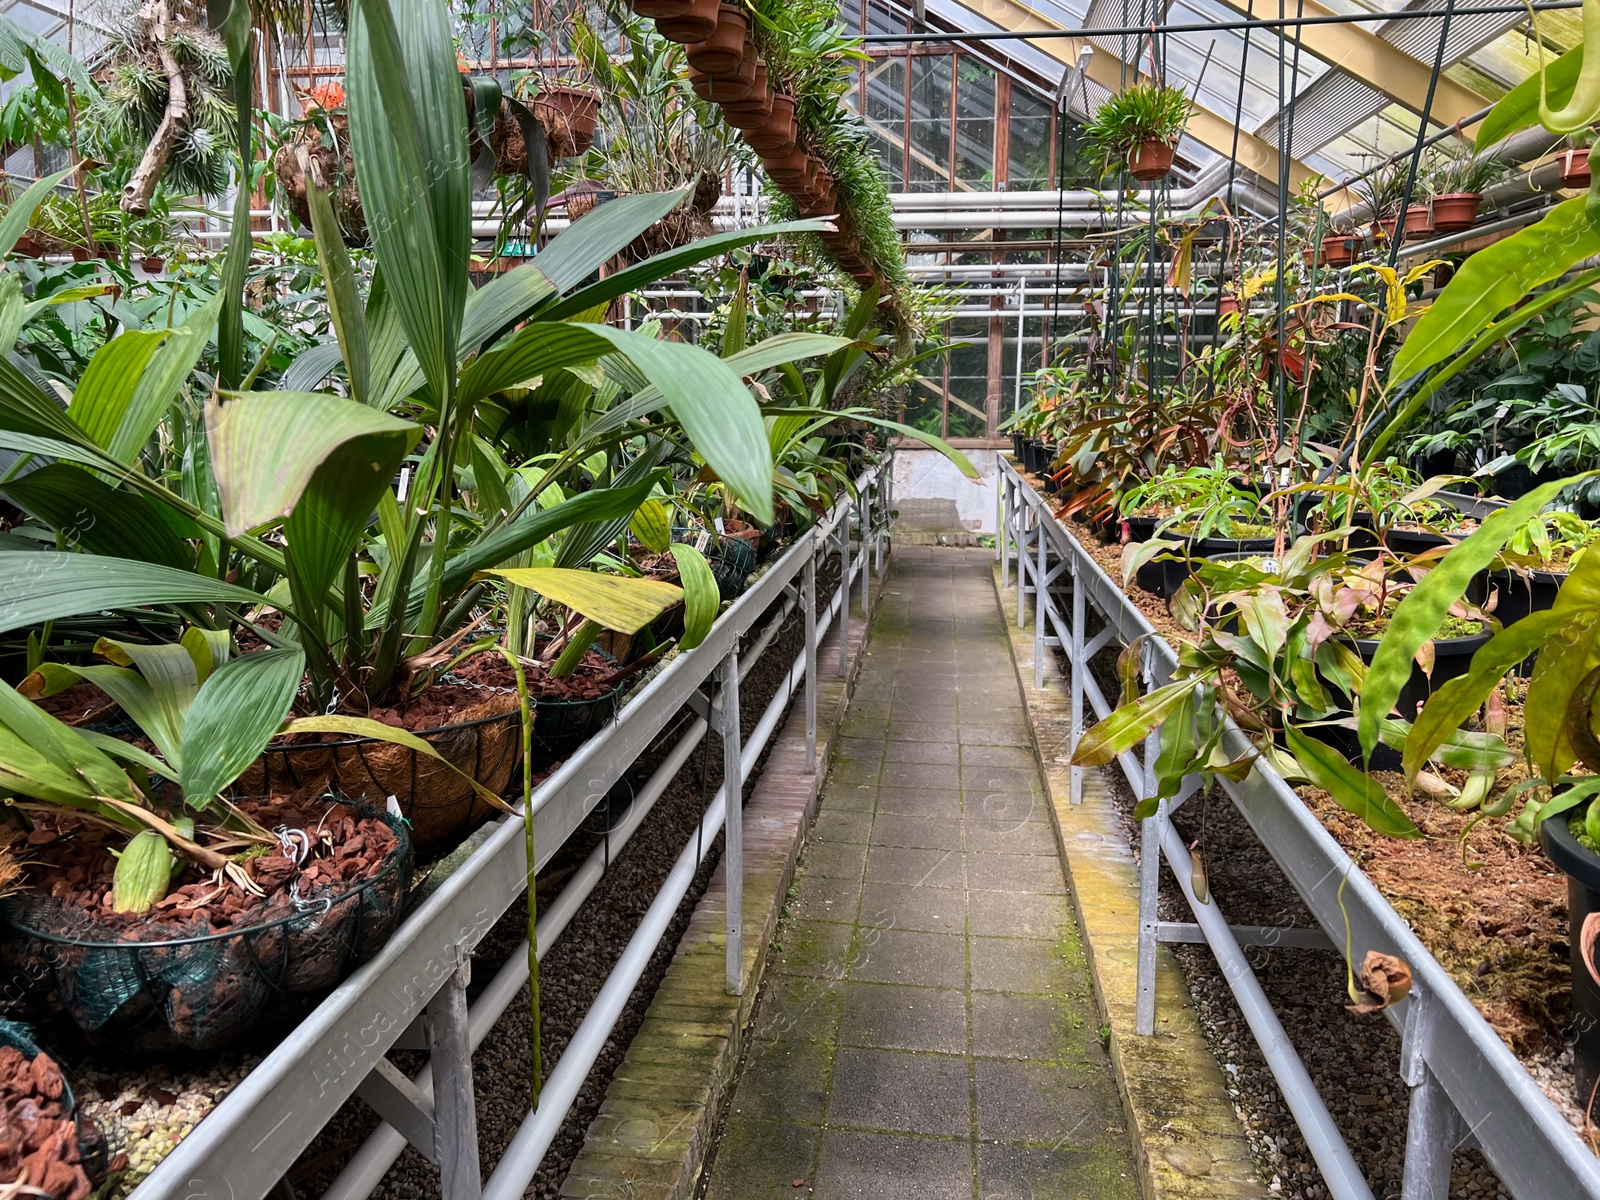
(502, 302)
(1456, 700)
(1130, 724)
(51, 586)
(701, 597)
(20, 215)
(345, 309)
(94, 517)
(618, 602)
(233, 717)
(1572, 652)
(267, 446)
(1519, 108)
(716, 410)
(641, 275)
(168, 370)
(1418, 617)
(26, 408)
(105, 392)
(587, 245)
(1494, 279)
(165, 680)
(582, 542)
(408, 127)
(535, 349)
(60, 748)
(1354, 791)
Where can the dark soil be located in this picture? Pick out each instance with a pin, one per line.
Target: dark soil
(38, 1136)
(80, 704)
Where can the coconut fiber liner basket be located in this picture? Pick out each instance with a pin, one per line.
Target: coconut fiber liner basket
(201, 989)
(441, 807)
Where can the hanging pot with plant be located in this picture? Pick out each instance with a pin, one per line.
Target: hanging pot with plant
(775, 136)
(569, 115)
(1419, 222)
(730, 88)
(722, 51)
(1454, 212)
(1457, 176)
(756, 108)
(695, 23)
(1138, 129)
(660, 10)
(1339, 251)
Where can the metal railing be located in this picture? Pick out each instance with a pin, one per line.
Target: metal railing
(1467, 1088)
(413, 995)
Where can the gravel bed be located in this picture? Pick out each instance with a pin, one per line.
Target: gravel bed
(1354, 1061)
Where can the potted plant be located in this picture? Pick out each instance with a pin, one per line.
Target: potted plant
(1536, 561)
(569, 114)
(1139, 128)
(1457, 177)
(1382, 190)
(1187, 513)
(723, 52)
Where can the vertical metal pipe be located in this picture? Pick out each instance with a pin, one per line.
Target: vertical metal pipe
(1022, 562)
(844, 593)
(811, 661)
(866, 551)
(1003, 532)
(733, 827)
(455, 1113)
(1075, 685)
(1431, 1134)
(1041, 610)
(1149, 888)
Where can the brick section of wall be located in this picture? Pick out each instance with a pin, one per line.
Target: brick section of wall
(1188, 1142)
(650, 1138)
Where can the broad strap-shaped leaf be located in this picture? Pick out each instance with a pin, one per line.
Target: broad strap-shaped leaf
(1495, 278)
(27, 408)
(504, 301)
(1456, 700)
(1418, 617)
(1572, 651)
(312, 366)
(58, 746)
(165, 374)
(1519, 108)
(105, 392)
(701, 597)
(617, 602)
(408, 126)
(652, 526)
(93, 517)
(345, 309)
(52, 586)
(1352, 790)
(582, 542)
(267, 446)
(535, 349)
(167, 680)
(232, 718)
(642, 275)
(20, 215)
(716, 410)
(587, 245)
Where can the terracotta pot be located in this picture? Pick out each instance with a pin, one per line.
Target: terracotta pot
(29, 247)
(723, 50)
(1455, 211)
(1574, 166)
(1339, 252)
(1419, 222)
(776, 134)
(1384, 229)
(1312, 257)
(787, 168)
(660, 10)
(153, 264)
(725, 89)
(754, 110)
(866, 278)
(1227, 306)
(580, 108)
(695, 23)
(1150, 161)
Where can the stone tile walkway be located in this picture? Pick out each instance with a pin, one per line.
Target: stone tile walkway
(927, 1028)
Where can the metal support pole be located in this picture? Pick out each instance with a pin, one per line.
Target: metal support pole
(1022, 566)
(455, 1113)
(811, 663)
(844, 594)
(733, 827)
(1041, 605)
(1075, 686)
(1003, 532)
(866, 551)
(1149, 888)
(1434, 1125)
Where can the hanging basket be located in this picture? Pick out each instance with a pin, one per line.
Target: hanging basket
(569, 116)
(1339, 251)
(51, 1145)
(483, 740)
(211, 977)
(337, 173)
(1150, 161)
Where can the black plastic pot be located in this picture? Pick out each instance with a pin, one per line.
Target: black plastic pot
(1017, 441)
(1035, 456)
(1452, 657)
(1582, 869)
(1523, 593)
(1165, 574)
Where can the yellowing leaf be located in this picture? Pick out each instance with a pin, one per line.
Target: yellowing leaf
(615, 601)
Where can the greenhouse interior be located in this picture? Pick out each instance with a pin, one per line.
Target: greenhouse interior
(1110, 486)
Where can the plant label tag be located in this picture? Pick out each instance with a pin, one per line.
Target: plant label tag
(720, 529)
(704, 540)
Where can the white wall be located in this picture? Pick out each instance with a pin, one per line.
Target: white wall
(933, 498)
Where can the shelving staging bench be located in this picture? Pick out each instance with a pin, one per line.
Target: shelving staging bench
(1467, 1088)
(412, 995)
